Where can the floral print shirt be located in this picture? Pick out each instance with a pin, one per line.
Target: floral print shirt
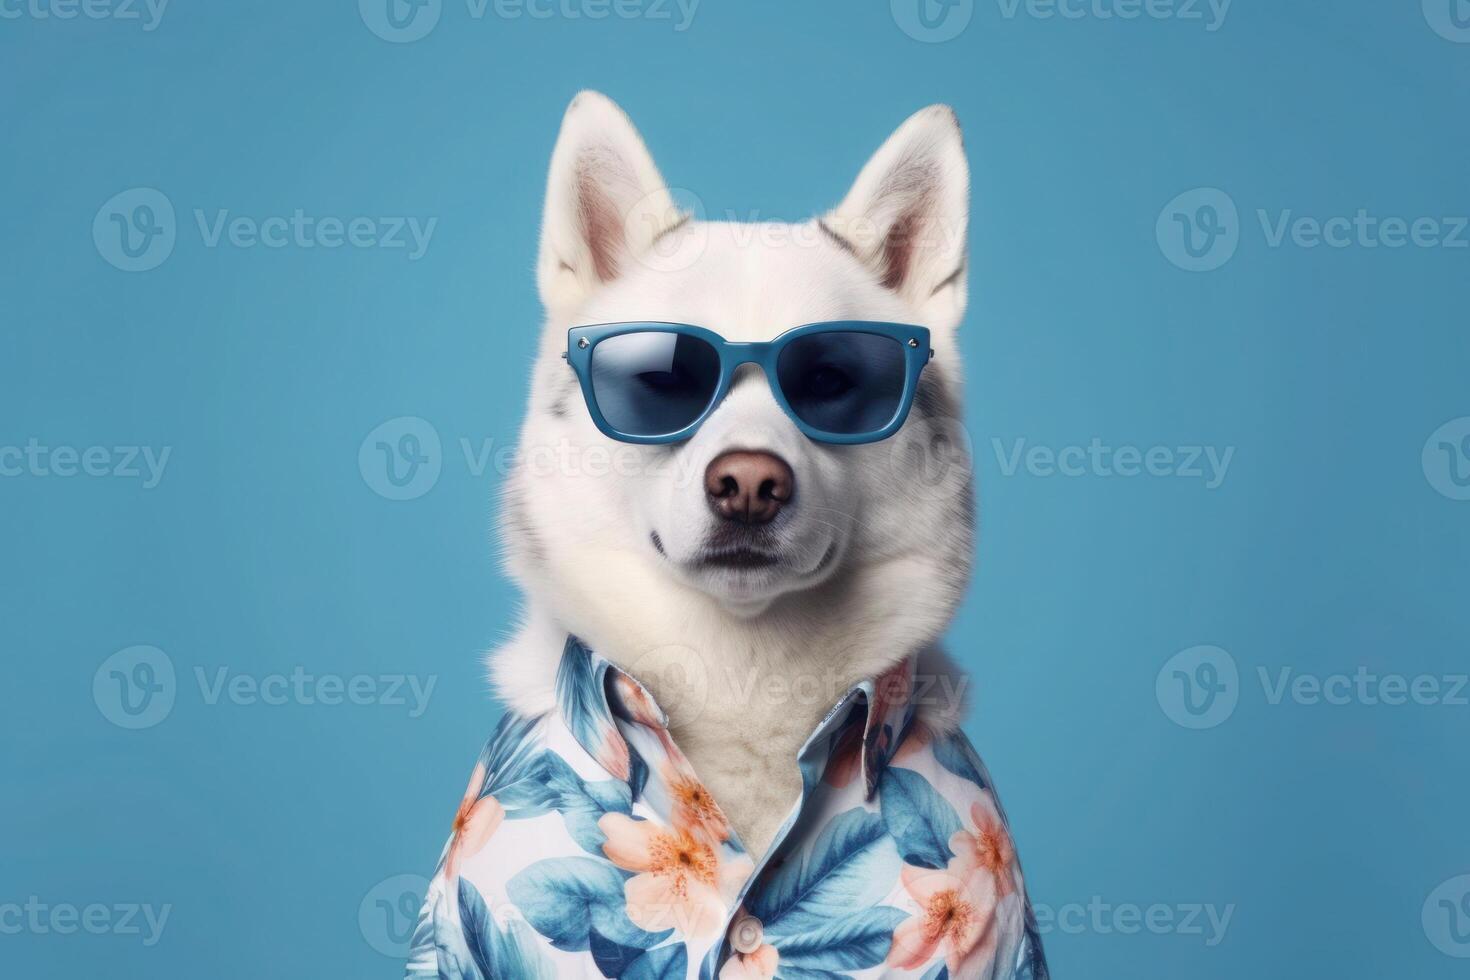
(586, 847)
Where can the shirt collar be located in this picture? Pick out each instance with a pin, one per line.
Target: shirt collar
(593, 693)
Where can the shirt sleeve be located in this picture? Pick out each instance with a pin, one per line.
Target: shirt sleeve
(1030, 961)
(438, 950)
(1025, 959)
(423, 957)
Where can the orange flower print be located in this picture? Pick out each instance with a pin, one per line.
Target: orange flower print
(640, 707)
(681, 881)
(636, 702)
(956, 919)
(987, 848)
(475, 823)
(694, 808)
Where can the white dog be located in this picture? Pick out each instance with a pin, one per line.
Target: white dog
(732, 745)
(872, 561)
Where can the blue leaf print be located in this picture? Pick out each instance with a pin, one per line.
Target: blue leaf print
(580, 695)
(423, 930)
(939, 971)
(611, 958)
(497, 952)
(637, 773)
(511, 746)
(784, 972)
(953, 752)
(564, 899)
(852, 864)
(513, 761)
(609, 795)
(855, 942)
(920, 820)
(665, 963)
(582, 803)
(475, 925)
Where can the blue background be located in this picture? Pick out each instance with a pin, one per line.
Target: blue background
(264, 548)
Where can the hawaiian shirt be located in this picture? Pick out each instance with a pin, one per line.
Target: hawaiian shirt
(586, 847)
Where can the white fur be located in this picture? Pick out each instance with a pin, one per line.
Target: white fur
(745, 663)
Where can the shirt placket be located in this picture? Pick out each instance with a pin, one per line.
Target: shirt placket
(812, 761)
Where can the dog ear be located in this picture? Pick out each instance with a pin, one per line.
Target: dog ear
(907, 215)
(605, 202)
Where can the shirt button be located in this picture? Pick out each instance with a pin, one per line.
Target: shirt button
(747, 934)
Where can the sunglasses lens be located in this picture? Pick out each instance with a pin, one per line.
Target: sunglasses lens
(653, 383)
(843, 382)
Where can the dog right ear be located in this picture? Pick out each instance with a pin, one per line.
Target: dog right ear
(605, 203)
(907, 216)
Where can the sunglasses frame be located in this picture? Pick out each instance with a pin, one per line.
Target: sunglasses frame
(913, 340)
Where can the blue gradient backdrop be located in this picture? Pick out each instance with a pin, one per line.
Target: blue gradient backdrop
(273, 832)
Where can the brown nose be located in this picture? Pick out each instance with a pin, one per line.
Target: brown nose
(749, 487)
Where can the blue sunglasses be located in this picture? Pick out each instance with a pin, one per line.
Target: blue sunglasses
(844, 382)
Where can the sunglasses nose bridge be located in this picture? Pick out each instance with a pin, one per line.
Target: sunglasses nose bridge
(758, 353)
(744, 361)
(739, 354)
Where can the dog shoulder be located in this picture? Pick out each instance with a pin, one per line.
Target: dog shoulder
(522, 671)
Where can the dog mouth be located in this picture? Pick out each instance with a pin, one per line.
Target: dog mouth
(738, 559)
(743, 552)
(738, 548)
(725, 555)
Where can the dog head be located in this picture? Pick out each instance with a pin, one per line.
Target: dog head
(748, 518)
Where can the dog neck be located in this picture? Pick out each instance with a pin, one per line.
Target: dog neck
(712, 669)
(742, 694)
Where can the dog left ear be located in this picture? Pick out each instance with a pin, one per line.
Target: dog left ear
(605, 202)
(907, 215)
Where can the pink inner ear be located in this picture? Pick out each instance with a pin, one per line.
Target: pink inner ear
(602, 225)
(899, 245)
